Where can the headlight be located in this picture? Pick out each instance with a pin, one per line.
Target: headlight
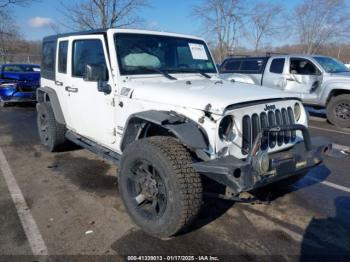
(7, 85)
(297, 111)
(226, 128)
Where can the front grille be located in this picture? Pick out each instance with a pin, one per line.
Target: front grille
(252, 125)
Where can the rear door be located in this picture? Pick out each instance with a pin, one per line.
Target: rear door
(274, 75)
(91, 113)
(62, 76)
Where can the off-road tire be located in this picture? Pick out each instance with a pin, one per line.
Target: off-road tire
(331, 110)
(53, 137)
(183, 184)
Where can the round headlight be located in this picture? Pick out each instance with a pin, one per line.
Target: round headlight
(226, 128)
(297, 111)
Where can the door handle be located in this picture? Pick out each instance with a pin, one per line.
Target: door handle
(58, 83)
(71, 89)
(290, 79)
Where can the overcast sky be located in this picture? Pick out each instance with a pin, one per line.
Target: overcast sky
(165, 15)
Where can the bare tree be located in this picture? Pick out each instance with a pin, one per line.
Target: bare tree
(94, 14)
(7, 3)
(321, 21)
(9, 34)
(263, 20)
(221, 20)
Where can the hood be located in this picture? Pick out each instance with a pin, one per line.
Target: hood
(337, 78)
(19, 76)
(342, 74)
(197, 94)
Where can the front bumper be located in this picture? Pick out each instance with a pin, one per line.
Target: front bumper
(241, 174)
(15, 96)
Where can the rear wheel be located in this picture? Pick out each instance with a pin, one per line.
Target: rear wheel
(338, 110)
(52, 133)
(159, 187)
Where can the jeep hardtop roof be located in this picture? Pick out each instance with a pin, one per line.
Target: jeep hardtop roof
(117, 30)
(50, 42)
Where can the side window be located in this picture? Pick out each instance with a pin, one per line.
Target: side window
(301, 66)
(231, 65)
(48, 59)
(62, 57)
(277, 65)
(251, 65)
(86, 52)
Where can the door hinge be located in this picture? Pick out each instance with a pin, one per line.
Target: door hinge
(113, 102)
(114, 131)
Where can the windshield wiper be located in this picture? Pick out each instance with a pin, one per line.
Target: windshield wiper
(193, 70)
(154, 69)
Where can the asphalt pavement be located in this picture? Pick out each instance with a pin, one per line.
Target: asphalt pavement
(66, 205)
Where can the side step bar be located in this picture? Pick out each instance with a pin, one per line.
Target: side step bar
(103, 152)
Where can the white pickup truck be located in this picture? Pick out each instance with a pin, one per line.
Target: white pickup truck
(320, 81)
(153, 103)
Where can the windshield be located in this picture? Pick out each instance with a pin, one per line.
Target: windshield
(140, 53)
(331, 65)
(21, 68)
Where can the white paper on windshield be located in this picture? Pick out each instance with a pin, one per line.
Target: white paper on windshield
(198, 51)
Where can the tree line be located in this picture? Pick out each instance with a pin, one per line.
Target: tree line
(230, 26)
(258, 26)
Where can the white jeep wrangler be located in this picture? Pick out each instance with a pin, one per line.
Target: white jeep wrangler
(152, 103)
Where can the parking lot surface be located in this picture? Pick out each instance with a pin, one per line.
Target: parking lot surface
(70, 206)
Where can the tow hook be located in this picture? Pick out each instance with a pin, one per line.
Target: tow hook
(244, 198)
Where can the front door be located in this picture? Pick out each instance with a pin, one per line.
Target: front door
(91, 113)
(303, 77)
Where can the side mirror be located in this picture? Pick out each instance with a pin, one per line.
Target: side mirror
(95, 73)
(103, 86)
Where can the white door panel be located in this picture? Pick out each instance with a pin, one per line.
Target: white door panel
(274, 73)
(302, 83)
(91, 112)
(62, 76)
(303, 77)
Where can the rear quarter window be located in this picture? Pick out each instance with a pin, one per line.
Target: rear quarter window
(230, 66)
(251, 65)
(243, 65)
(48, 60)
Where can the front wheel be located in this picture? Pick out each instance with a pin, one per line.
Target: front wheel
(338, 110)
(159, 187)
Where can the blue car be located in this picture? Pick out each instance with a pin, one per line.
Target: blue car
(18, 83)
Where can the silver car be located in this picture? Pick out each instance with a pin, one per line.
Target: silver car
(320, 81)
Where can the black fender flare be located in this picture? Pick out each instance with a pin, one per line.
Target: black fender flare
(186, 130)
(47, 94)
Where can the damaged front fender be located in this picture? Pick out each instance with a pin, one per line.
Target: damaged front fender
(186, 130)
